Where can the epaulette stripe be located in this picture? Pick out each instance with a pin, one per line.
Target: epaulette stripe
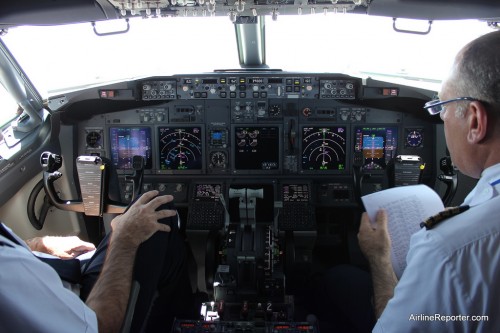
(441, 216)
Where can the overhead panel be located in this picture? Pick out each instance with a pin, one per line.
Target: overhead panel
(235, 8)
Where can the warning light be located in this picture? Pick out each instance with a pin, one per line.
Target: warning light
(107, 93)
(390, 91)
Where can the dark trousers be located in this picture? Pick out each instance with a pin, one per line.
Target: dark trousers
(342, 300)
(161, 271)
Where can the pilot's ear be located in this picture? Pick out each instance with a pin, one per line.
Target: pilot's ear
(477, 120)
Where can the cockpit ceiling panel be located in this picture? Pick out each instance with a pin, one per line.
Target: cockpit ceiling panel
(150, 8)
(55, 12)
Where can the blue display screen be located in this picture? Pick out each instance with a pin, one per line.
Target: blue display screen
(126, 142)
(378, 144)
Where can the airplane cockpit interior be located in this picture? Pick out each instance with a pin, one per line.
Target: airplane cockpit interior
(249, 113)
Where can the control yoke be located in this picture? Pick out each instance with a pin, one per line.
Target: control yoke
(358, 176)
(91, 173)
(449, 177)
(247, 203)
(402, 170)
(137, 176)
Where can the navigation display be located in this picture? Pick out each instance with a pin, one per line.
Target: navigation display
(256, 148)
(180, 148)
(126, 142)
(378, 144)
(323, 148)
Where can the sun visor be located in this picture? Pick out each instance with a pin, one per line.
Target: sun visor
(54, 12)
(436, 9)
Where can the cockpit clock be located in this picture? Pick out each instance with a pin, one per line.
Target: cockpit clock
(218, 159)
(275, 110)
(94, 139)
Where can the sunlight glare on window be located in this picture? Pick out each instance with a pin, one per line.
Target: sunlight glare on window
(73, 56)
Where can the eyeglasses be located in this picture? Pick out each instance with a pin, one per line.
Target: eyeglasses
(437, 106)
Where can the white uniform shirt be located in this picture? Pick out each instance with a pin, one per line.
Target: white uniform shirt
(452, 278)
(32, 296)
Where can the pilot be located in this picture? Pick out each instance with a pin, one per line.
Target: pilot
(143, 246)
(452, 280)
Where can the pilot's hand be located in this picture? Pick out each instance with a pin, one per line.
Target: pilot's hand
(374, 239)
(140, 221)
(62, 247)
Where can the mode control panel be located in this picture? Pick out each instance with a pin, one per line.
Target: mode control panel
(234, 87)
(228, 86)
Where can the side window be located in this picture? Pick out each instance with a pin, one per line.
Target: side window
(9, 113)
(9, 109)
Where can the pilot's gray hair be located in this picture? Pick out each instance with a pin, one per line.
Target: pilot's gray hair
(477, 70)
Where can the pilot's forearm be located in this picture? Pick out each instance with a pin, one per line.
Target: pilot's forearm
(110, 294)
(384, 281)
(35, 244)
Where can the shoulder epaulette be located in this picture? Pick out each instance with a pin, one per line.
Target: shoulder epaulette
(444, 215)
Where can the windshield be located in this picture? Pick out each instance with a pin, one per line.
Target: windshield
(368, 46)
(70, 57)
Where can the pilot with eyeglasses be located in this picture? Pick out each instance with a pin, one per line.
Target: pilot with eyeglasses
(452, 278)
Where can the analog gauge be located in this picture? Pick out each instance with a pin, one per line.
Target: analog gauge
(218, 159)
(93, 139)
(306, 112)
(414, 138)
(274, 110)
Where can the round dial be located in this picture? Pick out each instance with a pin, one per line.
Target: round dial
(414, 138)
(274, 110)
(306, 112)
(218, 159)
(93, 139)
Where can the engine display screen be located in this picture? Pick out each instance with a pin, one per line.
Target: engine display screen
(256, 148)
(323, 148)
(378, 144)
(295, 193)
(127, 142)
(180, 148)
(208, 192)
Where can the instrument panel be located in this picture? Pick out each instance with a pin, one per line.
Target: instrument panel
(275, 125)
(274, 148)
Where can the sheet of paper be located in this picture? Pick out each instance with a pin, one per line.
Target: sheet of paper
(85, 256)
(406, 207)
